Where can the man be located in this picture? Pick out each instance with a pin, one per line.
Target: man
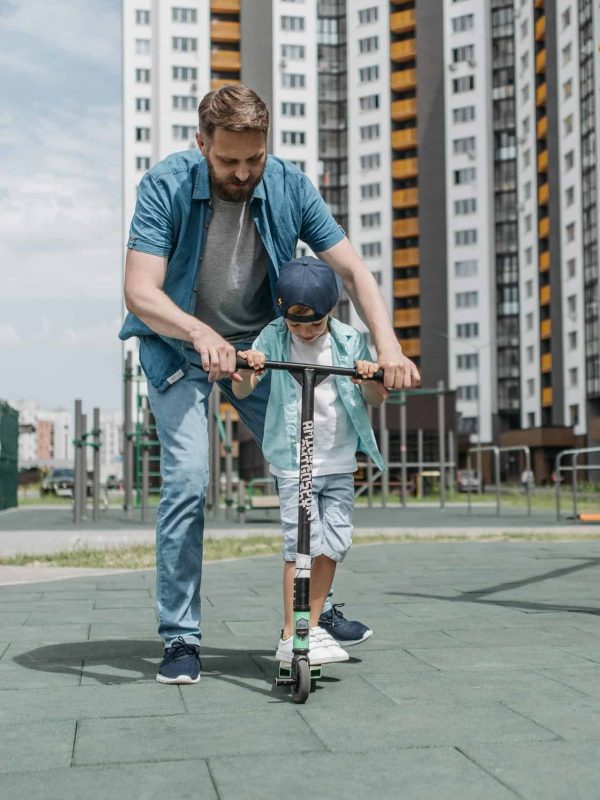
(209, 232)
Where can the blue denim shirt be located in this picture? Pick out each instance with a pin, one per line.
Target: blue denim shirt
(281, 421)
(171, 218)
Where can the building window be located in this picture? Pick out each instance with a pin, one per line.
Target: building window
(467, 392)
(293, 137)
(464, 84)
(530, 354)
(567, 53)
(466, 269)
(567, 89)
(293, 52)
(463, 114)
(460, 54)
(570, 232)
(142, 134)
(466, 299)
(142, 163)
(183, 132)
(291, 80)
(465, 176)
(368, 74)
(369, 103)
(571, 268)
(368, 45)
(463, 238)
(573, 377)
(572, 306)
(574, 415)
(301, 165)
(529, 288)
(142, 76)
(529, 321)
(467, 361)
(369, 191)
(572, 337)
(367, 15)
(142, 47)
(569, 160)
(179, 14)
(142, 104)
(467, 330)
(467, 206)
(371, 249)
(568, 124)
(370, 161)
(464, 145)
(464, 23)
(184, 102)
(369, 132)
(292, 23)
(529, 256)
(184, 73)
(184, 44)
(371, 220)
(293, 109)
(566, 18)
(142, 17)
(530, 387)
(570, 196)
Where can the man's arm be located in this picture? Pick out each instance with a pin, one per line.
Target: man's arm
(144, 277)
(400, 371)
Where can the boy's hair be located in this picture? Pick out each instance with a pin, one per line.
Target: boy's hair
(233, 107)
(301, 310)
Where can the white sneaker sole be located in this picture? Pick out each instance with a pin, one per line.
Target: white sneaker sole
(185, 679)
(285, 658)
(367, 635)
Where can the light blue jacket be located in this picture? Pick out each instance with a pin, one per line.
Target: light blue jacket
(281, 421)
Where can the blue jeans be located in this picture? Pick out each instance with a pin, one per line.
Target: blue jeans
(181, 414)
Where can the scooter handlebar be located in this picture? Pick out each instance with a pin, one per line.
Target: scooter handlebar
(319, 369)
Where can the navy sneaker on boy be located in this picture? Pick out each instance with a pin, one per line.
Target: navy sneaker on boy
(346, 631)
(181, 663)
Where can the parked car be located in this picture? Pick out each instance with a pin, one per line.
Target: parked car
(468, 480)
(59, 482)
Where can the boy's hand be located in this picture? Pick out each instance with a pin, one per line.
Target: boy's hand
(256, 360)
(366, 370)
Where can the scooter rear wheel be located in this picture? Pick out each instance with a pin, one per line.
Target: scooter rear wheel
(301, 675)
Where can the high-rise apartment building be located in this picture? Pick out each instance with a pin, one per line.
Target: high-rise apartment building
(455, 141)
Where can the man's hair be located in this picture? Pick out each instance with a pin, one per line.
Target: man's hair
(233, 107)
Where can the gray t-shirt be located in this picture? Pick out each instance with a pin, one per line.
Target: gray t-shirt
(233, 291)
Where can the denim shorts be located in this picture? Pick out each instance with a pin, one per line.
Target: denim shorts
(331, 515)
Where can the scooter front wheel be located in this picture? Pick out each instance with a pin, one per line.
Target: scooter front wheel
(301, 675)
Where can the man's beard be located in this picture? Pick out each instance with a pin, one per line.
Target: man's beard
(231, 190)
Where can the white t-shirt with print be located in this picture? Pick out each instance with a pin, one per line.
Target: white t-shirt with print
(335, 438)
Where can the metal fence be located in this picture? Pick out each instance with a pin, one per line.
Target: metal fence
(9, 450)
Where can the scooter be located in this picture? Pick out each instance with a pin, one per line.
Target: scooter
(299, 675)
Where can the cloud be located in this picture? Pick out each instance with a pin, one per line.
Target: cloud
(9, 335)
(102, 336)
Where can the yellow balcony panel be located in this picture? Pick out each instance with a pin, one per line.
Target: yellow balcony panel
(405, 139)
(405, 228)
(407, 318)
(224, 408)
(541, 94)
(403, 21)
(546, 362)
(404, 109)
(547, 396)
(404, 50)
(407, 287)
(411, 347)
(544, 194)
(544, 228)
(405, 198)
(545, 261)
(545, 329)
(545, 295)
(539, 3)
(224, 31)
(225, 6)
(406, 257)
(540, 28)
(225, 61)
(543, 161)
(542, 128)
(217, 83)
(403, 79)
(405, 168)
(540, 61)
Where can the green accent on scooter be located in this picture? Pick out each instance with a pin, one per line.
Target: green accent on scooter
(301, 630)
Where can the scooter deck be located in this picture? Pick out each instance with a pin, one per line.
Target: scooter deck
(285, 671)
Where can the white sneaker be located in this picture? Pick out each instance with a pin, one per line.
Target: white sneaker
(323, 648)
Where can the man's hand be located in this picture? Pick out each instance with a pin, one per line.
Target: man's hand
(399, 371)
(217, 355)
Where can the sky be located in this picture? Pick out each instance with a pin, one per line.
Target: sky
(61, 247)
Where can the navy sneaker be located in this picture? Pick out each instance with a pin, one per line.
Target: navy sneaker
(346, 631)
(181, 663)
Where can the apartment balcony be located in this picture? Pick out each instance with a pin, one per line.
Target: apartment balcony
(539, 3)
(225, 60)
(547, 397)
(404, 79)
(407, 318)
(405, 168)
(544, 228)
(405, 198)
(405, 228)
(407, 287)
(545, 295)
(404, 109)
(544, 194)
(542, 163)
(403, 21)
(405, 139)
(225, 6)
(411, 347)
(545, 329)
(546, 363)
(224, 31)
(540, 61)
(406, 257)
(540, 28)
(217, 83)
(542, 128)
(541, 94)
(404, 50)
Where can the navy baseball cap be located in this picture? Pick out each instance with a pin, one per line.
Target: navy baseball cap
(309, 282)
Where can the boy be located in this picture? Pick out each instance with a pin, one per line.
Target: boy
(306, 292)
